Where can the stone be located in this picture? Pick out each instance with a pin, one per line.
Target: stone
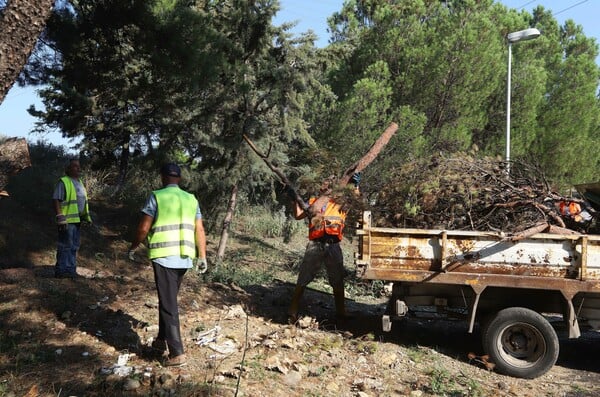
(292, 378)
(131, 384)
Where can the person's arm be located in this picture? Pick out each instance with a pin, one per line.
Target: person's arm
(200, 239)
(299, 213)
(57, 198)
(142, 231)
(57, 209)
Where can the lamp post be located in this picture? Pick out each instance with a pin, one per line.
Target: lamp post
(514, 37)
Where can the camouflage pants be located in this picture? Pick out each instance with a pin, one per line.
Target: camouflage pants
(318, 254)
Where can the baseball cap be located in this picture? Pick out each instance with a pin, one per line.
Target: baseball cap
(170, 169)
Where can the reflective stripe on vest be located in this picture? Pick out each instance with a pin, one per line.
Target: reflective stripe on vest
(329, 222)
(69, 207)
(173, 230)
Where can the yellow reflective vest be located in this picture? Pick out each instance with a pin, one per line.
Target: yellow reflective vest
(69, 207)
(173, 230)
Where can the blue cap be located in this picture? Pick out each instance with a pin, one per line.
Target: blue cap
(170, 169)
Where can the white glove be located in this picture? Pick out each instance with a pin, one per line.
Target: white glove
(201, 265)
(131, 255)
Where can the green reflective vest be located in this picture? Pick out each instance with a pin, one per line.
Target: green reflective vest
(173, 230)
(69, 206)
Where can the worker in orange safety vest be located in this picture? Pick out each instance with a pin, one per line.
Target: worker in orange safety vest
(574, 211)
(325, 232)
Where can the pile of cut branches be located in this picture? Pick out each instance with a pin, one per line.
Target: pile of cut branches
(467, 193)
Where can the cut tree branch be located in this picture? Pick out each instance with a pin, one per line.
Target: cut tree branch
(372, 153)
(358, 166)
(277, 172)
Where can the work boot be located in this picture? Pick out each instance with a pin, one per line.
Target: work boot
(177, 361)
(293, 309)
(340, 307)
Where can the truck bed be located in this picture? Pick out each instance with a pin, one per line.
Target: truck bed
(569, 263)
(510, 286)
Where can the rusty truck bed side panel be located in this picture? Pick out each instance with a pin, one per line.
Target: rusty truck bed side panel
(570, 263)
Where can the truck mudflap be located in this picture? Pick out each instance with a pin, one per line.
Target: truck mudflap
(399, 309)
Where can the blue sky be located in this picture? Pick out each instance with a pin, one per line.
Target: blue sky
(310, 14)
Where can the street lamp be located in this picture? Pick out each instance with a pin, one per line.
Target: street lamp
(514, 37)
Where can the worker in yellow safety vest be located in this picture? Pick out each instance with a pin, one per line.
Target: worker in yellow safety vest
(71, 209)
(172, 221)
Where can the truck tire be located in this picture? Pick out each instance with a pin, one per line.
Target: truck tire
(521, 343)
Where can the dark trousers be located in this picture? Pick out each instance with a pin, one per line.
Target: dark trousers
(168, 282)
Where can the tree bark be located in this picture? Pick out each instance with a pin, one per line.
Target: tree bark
(21, 23)
(226, 223)
(371, 154)
(14, 157)
(123, 166)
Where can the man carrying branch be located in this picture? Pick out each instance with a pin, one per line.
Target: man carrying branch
(326, 215)
(325, 232)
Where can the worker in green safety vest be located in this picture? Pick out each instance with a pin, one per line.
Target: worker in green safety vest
(172, 222)
(71, 209)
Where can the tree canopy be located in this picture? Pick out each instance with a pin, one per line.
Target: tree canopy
(159, 79)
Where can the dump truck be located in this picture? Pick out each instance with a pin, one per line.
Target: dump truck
(509, 289)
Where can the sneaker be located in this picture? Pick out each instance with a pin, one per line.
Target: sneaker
(177, 361)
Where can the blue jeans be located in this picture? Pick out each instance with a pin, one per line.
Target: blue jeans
(66, 250)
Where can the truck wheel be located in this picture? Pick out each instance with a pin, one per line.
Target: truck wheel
(521, 343)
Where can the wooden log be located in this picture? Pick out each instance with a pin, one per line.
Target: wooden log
(530, 232)
(561, 230)
(371, 153)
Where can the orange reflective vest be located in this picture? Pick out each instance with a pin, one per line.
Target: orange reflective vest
(328, 222)
(569, 209)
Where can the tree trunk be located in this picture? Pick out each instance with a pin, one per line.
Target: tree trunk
(21, 23)
(227, 223)
(123, 166)
(14, 157)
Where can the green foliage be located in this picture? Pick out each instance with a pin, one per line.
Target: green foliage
(141, 181)
(229, 272)
(257, 221)
(442, 383)
(143, 82)
(447, 62)
(417, 354)
(366, 344)
(568, 125)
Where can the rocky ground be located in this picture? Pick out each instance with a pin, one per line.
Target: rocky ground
(89, 336)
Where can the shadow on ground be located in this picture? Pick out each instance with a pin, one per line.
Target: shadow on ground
(448, 337)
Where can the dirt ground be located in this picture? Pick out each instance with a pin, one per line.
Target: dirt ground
(90, 336)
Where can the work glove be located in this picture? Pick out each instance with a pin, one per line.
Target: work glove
(131, 255)
(355, 179)
(61, 221)
(200, 265)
